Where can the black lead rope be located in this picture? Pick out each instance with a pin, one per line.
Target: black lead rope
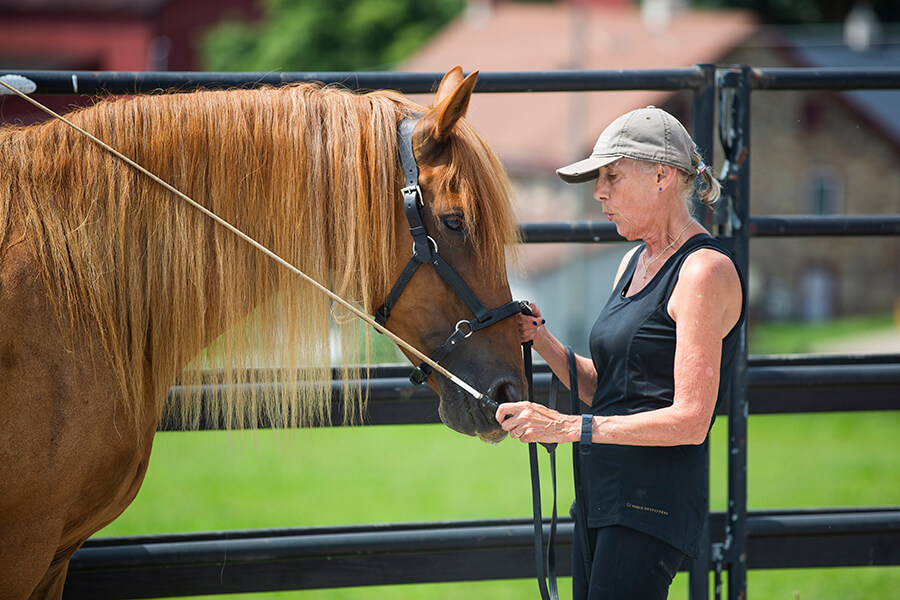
(579, 451)
(545, 563)
(425, 252)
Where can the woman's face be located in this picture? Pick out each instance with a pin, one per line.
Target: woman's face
(627, 192)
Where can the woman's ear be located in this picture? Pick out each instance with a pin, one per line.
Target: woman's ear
(665, 176)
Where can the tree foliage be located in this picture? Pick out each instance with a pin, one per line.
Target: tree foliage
(355, 35)
(326, 35)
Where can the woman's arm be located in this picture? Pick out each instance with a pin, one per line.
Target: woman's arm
(531, 328)
(705, 304)
(554, 352)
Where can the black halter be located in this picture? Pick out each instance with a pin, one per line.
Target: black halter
(425, 252)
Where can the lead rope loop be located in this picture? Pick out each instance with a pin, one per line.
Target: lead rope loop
(579, 451)
(545, 564)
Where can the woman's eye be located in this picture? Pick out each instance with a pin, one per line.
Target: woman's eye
(454, 223)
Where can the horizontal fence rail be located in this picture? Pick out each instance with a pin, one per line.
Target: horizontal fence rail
(132, 82)
(327, 557)
(827, 78)
(823, 226)
(760, 226)
(777, 384)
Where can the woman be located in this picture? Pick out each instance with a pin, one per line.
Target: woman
(661, 355)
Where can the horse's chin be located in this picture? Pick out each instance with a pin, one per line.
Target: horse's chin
(492, 438)
(466, 416)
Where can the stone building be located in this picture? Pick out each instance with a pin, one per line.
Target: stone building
(823, 153)
(811, 152)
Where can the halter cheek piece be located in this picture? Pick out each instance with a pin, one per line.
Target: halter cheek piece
(425, 251)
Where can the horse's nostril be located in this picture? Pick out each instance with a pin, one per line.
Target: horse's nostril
(507, 392)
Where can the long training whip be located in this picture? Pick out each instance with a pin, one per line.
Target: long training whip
(396, 339)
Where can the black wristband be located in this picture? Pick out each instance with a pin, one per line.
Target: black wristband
(587, 429)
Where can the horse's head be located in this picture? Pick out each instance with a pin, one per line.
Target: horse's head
(467, 212)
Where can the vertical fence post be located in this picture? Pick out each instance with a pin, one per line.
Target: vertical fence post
(703, 126)
(733, 217)
(702, 130)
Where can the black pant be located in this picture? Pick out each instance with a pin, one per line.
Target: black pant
(627, 565)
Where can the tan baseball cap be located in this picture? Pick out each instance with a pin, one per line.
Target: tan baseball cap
(650, 134)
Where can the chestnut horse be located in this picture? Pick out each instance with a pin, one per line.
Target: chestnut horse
(111, 288)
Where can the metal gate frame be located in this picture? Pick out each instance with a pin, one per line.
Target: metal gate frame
(150, 566)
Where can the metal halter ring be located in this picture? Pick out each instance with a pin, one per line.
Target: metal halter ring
(433, 244)
(468, 324)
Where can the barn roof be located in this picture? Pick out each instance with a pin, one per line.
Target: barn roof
(824, 46)
(541, 37)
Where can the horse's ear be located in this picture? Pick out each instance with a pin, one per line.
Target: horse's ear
(450, 104)
(448, 84)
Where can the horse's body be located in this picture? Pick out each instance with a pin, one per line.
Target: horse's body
(111, 288)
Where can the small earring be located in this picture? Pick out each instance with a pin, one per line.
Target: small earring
(660, 189)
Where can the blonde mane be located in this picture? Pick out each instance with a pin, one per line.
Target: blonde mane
(310, 172)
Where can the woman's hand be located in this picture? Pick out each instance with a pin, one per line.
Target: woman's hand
(529, 422)
(529, 325)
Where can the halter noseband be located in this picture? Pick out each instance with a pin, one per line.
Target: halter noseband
(425, 252)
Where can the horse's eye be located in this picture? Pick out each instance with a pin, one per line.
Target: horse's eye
(454, 223)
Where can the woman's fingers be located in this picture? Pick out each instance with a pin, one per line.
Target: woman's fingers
(530, 422)
(507, 411)
(521, 419)
(529, 324)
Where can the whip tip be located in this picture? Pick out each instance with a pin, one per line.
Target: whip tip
(489, 403)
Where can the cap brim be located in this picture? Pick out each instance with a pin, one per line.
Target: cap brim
(584, 170)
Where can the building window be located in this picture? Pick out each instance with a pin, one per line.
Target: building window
(812, 114)
(817, 293)
(822, 192)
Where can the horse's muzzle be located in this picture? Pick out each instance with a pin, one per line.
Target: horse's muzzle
(467, 415)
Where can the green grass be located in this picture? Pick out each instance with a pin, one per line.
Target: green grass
(213, 481)
(795, 337)
(344, 476)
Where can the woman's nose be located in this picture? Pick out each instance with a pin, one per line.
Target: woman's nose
(600, 191)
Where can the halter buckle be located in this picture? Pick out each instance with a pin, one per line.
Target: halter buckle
(415, 190)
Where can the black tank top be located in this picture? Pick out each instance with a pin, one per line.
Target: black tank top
(660, 491)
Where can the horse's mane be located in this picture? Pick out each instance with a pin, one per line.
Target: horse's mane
(309, 171)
